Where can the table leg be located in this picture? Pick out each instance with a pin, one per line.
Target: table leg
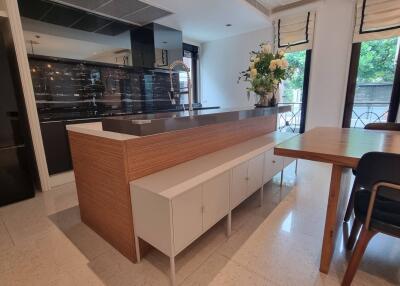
(229, 224)
(172, 271)
(338, 194)
(137, 247)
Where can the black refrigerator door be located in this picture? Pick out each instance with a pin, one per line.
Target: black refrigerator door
(15, 179)
(11, 130)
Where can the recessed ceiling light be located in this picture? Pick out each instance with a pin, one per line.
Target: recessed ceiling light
(228, 25)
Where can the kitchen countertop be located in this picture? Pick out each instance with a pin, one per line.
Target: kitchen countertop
(96, 128)
(72, 115)
(150, 124)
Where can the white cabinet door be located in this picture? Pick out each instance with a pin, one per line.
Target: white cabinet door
(187, 217)
(255, 174)
(272, 165)
(239, 184)
(215, 200)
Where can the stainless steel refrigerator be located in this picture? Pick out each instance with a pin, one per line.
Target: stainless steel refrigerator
(16, 160)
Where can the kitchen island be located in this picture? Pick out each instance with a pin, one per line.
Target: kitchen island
(105, 162)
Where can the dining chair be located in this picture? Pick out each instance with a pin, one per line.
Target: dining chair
(388, 126)
(376, 204)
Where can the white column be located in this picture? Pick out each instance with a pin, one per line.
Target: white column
(330, 63)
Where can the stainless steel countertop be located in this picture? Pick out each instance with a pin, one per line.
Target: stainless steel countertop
(148, 124)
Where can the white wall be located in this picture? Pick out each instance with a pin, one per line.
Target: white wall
(221, 62)
(330, 63)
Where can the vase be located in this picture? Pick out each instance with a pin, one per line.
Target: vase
(264, 99)
(274, 100)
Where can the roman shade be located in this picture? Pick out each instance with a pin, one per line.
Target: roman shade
(295, 32)
(377, 19)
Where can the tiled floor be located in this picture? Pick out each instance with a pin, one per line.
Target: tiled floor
(43, 242)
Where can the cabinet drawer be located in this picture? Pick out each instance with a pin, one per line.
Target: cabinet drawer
(239, 184)
(255, 174)
(187, 217)
(215, 200)
(272, 165)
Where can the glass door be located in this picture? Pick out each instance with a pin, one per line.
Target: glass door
(372, 95)
(294, 92)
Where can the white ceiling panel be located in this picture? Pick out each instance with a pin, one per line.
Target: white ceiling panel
(205, 20)
(271, 4)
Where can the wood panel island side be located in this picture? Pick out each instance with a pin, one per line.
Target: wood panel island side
(106, 162)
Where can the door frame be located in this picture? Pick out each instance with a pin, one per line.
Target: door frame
(306, 86)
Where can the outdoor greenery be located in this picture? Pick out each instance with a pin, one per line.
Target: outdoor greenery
(377, 61)
(377, 65)
(294, 84)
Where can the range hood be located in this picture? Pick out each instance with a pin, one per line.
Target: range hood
(156, 46)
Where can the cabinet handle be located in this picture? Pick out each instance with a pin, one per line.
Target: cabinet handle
(202, 209)
(247, 178)
(273, 161)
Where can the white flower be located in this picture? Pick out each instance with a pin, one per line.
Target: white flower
(279, 63)
(281, 53)
(253, 73)
(253, 58)
(256, 60)
(266, 48)
(252, 65)
(276, 82)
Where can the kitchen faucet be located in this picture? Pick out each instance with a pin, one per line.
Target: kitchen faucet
(172, 95)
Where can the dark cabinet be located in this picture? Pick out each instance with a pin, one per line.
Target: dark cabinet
(56, 144)
(56, 147)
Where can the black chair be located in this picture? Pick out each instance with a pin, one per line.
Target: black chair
(389, 126)
(376, 204)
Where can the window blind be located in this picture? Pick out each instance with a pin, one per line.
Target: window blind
(295, 31)
(377, 19)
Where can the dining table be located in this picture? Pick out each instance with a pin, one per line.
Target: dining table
(343, 148)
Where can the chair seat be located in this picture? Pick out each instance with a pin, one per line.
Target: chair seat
(386, 214)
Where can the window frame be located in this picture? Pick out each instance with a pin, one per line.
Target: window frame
(194, 51)
(352, 84)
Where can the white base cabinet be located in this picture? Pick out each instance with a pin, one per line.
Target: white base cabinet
(171, 208)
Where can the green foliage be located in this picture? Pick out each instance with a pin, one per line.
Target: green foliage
(377, 61)
(295, 81)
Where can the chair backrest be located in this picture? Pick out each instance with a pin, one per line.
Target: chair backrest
(383, 126)
(375, 167)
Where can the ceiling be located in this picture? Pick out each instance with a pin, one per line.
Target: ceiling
(132, 11)
(205, 20)
(272, 4)
(200, 21)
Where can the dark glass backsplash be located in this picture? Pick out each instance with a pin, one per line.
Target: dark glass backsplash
(69, 89)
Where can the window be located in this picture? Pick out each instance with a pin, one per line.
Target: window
(371, 96)
(190, 58)
(294, 92)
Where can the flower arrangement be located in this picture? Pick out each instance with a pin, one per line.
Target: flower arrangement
(266, 71)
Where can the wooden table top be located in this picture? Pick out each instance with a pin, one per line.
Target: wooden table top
(340, 146)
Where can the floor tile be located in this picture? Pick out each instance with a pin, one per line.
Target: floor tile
(44, 242)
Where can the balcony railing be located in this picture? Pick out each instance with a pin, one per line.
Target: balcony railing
(290, 121)
(368, 112)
